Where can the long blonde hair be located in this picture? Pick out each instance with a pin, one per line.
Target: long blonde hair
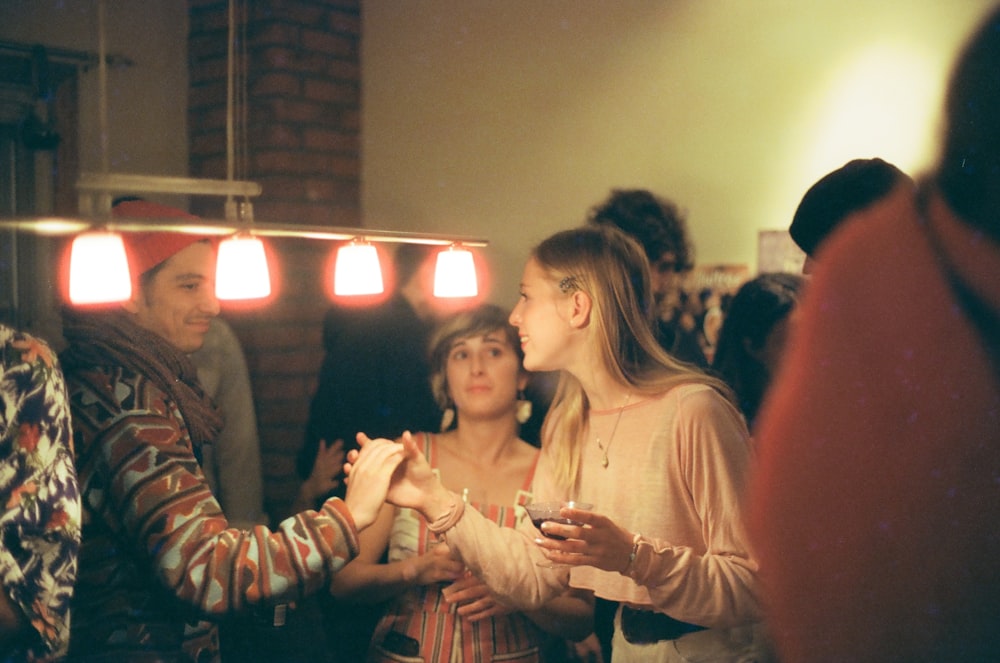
(612, 269)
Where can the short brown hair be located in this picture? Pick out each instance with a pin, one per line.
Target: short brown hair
(476, 321)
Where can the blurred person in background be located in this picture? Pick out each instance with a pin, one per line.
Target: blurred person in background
(374, 374)
(835, 197)
(875, 503)
(659, 226)
(753, 337)
(232, 462)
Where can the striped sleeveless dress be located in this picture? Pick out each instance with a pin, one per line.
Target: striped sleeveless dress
(419, 626)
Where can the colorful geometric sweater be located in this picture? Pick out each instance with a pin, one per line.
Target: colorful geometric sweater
(158, 554)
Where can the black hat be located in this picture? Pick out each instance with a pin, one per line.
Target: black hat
(852, 187)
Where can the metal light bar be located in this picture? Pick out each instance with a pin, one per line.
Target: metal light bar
(125, 183)
(96, 189)
(46, 225)
(70, 226)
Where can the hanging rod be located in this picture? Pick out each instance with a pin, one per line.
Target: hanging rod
(83, 59)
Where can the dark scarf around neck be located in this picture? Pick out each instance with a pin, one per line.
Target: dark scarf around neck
(111, 338)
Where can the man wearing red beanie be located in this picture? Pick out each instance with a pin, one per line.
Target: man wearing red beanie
(158, 555)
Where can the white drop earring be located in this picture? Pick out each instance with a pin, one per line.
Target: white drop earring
(523, 408)
(447, 418)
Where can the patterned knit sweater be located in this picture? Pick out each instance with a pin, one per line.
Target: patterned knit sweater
(158, 554)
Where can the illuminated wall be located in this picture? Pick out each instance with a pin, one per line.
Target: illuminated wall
(510, 119)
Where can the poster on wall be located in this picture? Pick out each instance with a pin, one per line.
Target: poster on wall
(708, 289)
(778, 252)
(720, 279)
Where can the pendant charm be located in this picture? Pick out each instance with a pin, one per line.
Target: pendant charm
(611, 438)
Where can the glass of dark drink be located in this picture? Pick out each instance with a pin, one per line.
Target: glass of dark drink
(541, 512)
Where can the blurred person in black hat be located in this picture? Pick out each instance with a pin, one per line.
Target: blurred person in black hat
(836, 196)
(874, 508)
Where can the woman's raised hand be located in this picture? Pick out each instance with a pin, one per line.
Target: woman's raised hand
(371, 471)
(414, 484)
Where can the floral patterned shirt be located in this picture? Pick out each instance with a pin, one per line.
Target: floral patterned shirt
(39, 496)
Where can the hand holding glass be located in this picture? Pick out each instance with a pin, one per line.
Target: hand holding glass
(542, 512)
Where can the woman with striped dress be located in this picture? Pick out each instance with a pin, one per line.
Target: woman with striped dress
(436, 610)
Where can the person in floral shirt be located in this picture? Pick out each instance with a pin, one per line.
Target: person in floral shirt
(39, 501)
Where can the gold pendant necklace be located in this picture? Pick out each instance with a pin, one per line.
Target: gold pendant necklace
(611, 438)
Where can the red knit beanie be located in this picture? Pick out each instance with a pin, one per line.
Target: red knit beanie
(146, 250)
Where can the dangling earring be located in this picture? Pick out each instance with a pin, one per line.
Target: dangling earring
(523, 408)
(447, 418)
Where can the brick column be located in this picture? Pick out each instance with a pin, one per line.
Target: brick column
(303, 135)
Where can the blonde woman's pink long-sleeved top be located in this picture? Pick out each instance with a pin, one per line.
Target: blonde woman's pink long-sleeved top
(677, 474)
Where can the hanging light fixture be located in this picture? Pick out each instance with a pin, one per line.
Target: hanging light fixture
(99, 277)
(98, 269)
(241, 270)
(358, 271)
(455, 273)
(98, 266)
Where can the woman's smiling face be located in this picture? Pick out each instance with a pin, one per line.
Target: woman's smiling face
(541, 323)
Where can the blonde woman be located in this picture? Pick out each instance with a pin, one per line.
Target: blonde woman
(658, 448)
(437, 610)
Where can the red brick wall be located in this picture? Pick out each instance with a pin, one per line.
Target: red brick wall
(303, 137)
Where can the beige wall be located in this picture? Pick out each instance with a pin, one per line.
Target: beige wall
(509, 119)
(146, 102)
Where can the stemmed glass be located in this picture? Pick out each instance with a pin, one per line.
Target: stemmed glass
(542, 512)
